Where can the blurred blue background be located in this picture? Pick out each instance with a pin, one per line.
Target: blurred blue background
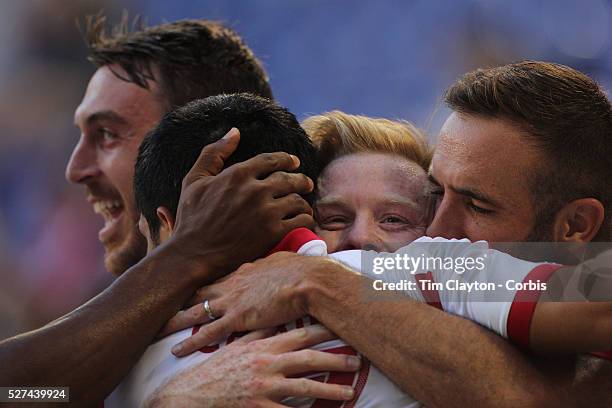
(387, 58)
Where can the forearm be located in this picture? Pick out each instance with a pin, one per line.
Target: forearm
(560, 327)
(578, 300)
(93, 347)
(441, 360)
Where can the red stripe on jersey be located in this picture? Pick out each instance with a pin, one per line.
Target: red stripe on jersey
(294, 240)
(343, 378)
(524, 304)
(432, 297)
(361, 381)
(604, 354)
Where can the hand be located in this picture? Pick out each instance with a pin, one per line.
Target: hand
(254, 371)
(225, 218)
(262, 294)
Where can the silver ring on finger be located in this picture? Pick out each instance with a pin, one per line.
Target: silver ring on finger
(208, 310)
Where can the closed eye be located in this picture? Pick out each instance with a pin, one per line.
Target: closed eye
(478, 209)
(436, 191)
(333, 222)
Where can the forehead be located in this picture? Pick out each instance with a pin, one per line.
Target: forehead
(372, 174)
(107, 93)
(488, 154)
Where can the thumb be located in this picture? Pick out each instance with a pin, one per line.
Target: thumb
(213, 157)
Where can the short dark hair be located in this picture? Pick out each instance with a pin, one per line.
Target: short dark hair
(169, 151)
(194, 58)
(564, 114)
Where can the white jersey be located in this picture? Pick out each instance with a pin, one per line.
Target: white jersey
(372, 388)
(500, 293)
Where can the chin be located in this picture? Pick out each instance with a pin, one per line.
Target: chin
(120, 258)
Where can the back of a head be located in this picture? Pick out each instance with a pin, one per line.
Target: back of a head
(563, 113)
(169, 151)
(190, 59)
(337, 134)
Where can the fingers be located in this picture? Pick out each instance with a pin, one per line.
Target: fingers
(213, 157)
(297, 339)
(299, 221)
(186, 318)
(282, 183)
(269, 404)
(297, 212)
(265, 164)
(303, 361)
(256, 335)
(303, 387)
(292, 205)
(207, 334)
(206, 292)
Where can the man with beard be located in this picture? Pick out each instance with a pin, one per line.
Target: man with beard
(525, 156)
(141, 75)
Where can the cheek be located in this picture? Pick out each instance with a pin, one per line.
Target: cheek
(118, 162)
(331, 238)
(496, 230)
(118, 165)
(396, 240)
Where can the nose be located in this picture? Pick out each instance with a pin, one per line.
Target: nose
(362, 234)
(447, 221)
(83, 163)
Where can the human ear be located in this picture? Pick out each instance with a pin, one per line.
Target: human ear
(579, 220)
(166, 222)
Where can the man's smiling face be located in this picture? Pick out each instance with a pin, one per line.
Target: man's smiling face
(483, 168)
(371, 201)
(113, 119)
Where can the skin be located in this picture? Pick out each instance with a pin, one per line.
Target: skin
(354, 209)
(259, 369)
(364, 201)
(483, 190)
(113, 119)
(421, 353)
(264, 366)
(92, 358)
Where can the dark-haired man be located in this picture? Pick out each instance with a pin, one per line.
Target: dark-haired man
(169, 151)
(526, 155)
(141, 75)
(164, 159)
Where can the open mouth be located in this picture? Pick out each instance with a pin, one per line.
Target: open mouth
(111, 211)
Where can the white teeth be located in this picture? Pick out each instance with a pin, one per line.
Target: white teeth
(105, 207)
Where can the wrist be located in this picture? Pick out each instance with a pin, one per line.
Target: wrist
(194, 271)
(318, 285)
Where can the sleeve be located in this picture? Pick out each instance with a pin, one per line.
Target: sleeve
(501, 294)
(435, 272)
(302, 241)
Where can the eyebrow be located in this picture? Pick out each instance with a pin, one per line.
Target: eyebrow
(338, 202)
(107, 115)
(473, 193)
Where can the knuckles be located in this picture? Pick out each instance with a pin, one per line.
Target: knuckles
(297, 200)
(273, 160)
(195, 313)
(305, 385)
(304, 357)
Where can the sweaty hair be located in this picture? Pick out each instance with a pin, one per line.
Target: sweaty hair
(169, 151)
(564, 114)
(189, 59)
(336, 134)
